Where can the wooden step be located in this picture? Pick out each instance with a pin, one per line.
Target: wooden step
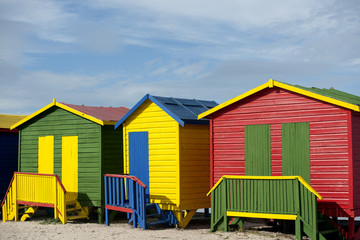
(157, 222)
(28, 213)
(77, 217)
(328, 232)
(154, 215)
(73, 209)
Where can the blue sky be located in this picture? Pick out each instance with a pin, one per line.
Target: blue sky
(113, 52)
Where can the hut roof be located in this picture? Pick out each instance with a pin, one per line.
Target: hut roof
(106, 114)
(99, 115)
(7, 120)
(331, 95)
(180, 109)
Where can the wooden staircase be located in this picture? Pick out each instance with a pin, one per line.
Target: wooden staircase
(125, 193)
(327, 230)
(285, 198)
(29, 211)
(28, 191)
(156, 216)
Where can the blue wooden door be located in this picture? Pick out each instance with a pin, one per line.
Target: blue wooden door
(139, 156)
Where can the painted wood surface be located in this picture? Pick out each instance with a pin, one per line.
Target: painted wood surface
(46, 155)
(296, 150)
(8, 159)
(69, 163)
(355, 119)
(194, 166)
(112, 150)
(329, 154)
(257, 150)
(163, 151)
(58, 123)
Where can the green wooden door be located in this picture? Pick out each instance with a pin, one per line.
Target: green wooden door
(296, 150)
(257, 150)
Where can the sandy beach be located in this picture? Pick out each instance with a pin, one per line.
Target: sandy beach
(43, 227)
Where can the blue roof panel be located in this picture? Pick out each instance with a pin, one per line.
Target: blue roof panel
(180, 109)
(186, 109)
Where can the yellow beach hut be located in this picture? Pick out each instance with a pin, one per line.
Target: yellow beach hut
(168, 149)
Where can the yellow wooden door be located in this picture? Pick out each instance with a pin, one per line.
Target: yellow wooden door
(46, 155)
(69, 166)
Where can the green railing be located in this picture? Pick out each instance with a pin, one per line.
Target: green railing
(285, 197)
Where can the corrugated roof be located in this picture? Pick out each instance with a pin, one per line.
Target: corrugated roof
(7, 120)
(180, 109)
(102, 113)
(332, 93)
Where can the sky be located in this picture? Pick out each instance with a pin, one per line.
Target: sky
(113, 52)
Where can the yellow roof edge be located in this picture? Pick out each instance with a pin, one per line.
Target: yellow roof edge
(15, 125)
(273, 83)
(318, 96)
(268, 177)
(268, 84)
(54, 103)
(110, 122)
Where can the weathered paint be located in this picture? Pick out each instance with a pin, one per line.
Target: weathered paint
(257, 150)
(163, 155)
(46, 155)
(296, 150)
(329, 155)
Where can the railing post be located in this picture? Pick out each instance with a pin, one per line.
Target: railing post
(14, 199)
(213, 212)
(298, 223)
(314, 217)
(224, 204)
(56, 215)
(106, 201)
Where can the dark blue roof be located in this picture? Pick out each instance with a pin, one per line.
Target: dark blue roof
(184, 111)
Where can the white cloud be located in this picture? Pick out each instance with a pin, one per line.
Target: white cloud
(243, 42)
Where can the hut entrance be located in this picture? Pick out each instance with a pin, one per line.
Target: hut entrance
(257, 150)
(46, 155)
(139, 156)
(69, 166)
(296, 150)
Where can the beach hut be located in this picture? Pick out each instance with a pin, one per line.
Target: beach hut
(78, 144)
(9, 140)
(279, 129)
(167, 148)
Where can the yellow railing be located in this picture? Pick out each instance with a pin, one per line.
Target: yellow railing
(44, 190)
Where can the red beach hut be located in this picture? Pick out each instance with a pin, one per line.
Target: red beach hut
(279, 129)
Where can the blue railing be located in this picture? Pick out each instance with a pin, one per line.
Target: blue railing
(126, 193)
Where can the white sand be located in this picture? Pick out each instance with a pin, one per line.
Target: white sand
(43, 228)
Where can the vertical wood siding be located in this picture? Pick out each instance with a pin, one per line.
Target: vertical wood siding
(356, 158)
(112, 150)
(328, 138)
(163, 151)
(194, 166)
(58, 123)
